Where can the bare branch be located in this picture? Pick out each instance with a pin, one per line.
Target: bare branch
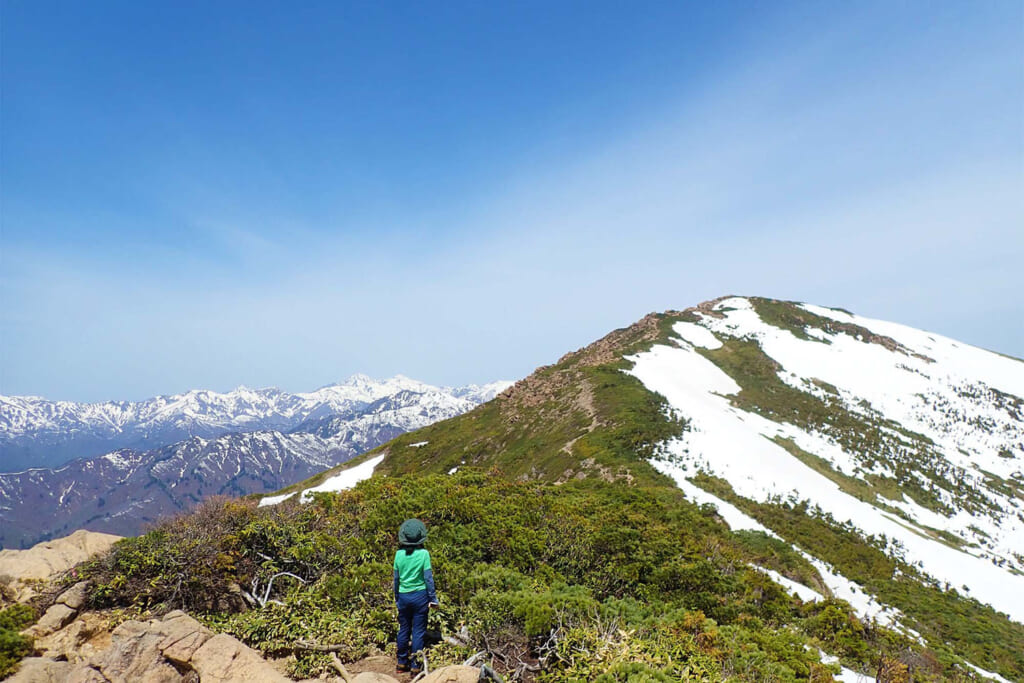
(270, 583)
(310, 646)
(264, 599)
(476, 659)
(336, 663)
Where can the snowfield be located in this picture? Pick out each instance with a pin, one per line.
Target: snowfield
(963, 402)
(342, 481)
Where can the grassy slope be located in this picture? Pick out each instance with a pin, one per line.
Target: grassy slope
(944, 618)
(952, 623)
(581, 416)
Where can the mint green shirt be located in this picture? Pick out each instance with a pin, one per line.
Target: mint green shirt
(410, 569)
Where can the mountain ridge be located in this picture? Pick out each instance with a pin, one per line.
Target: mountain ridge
(931, 471)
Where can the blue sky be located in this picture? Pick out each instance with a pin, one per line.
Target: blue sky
(215, 194)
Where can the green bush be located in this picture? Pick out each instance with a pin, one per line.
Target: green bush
(13, 646)
(16, 617)
(590, 578)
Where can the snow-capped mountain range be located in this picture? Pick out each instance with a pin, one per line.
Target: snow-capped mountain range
(35, 432)
(200, 444)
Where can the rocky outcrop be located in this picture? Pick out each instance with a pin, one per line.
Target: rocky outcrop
(133, 655)
(80, 647)
(41, 670)
(61, 613)
(174, 649)
(75, 596)
(55, 618)
(20, 570)
(79, 641)
(223, 658)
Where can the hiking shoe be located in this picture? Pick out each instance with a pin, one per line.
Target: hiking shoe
(402, 668)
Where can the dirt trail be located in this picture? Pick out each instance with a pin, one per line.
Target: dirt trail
(585, 401)
(379, 664)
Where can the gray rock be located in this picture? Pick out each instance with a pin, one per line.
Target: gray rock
(55, 618)
(181, 648)
(86, 674)
(78, 641)
(134, 655)
(75, 596)
(223, 659)
(175, 649)
(373, 677)
(41, 670)
(454, 674)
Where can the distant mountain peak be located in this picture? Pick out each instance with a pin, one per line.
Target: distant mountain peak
(202, 443)
(36, 432)
(357, 379)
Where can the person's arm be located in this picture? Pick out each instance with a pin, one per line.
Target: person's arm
(394, 569)
(428, 578)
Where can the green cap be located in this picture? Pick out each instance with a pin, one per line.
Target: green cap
(412, 532)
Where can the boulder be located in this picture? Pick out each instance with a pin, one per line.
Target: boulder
(133, 655)
(85, 674)
(75, 596)
(174, 649)
(222, 659)
(40, 670)
(77, 641)
(373, 677)
(46, 560)
(183, 635)
(454, 674)
(54, 619)
(182, 650)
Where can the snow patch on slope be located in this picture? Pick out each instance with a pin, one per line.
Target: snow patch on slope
(738, 445)
(697, 335)
(845, 675)
(342, 481)
(798, 589)
(988, 674)
(863, 603)
(942, 390)
(733, 516)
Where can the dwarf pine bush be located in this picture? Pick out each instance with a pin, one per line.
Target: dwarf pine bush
(584, 581)
(14, 646)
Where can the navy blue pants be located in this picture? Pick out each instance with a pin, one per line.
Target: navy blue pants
(412, 622)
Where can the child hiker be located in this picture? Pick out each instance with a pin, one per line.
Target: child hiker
(414, 592)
